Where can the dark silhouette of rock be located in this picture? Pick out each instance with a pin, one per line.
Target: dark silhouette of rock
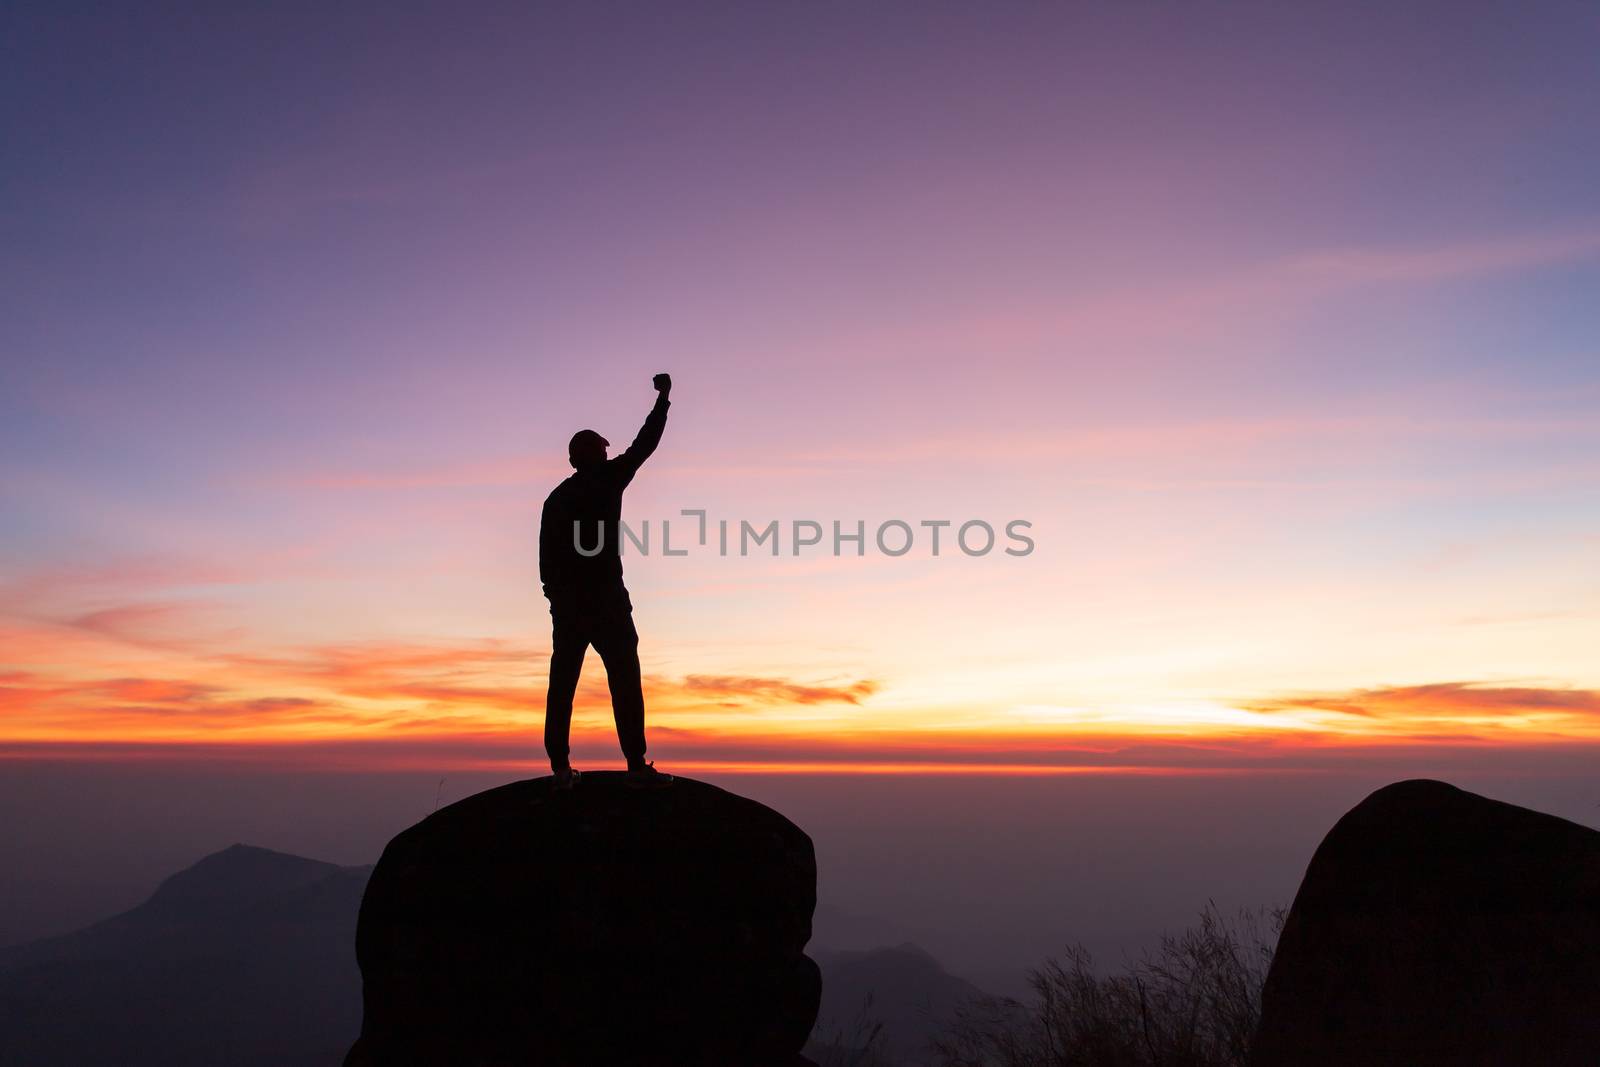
(242, 959)
(1437, 927)
(600, 925)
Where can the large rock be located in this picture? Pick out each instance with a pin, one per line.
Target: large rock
(1435, 926)
(604, 925)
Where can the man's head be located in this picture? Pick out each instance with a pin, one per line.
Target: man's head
(586, 449)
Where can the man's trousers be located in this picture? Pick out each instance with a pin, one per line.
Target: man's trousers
(606, 622)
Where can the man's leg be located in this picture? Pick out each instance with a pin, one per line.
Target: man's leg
(567, 646)
(618, 644)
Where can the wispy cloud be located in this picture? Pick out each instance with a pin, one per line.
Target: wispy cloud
(168, 624)
(448, 687)
(29, 590)
(1443, 262)
(149, 691)
(1124, 319)
(489, 472)
(1469, 705)
(736, 690)
(40, 707)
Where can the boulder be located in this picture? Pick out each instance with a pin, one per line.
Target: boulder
(602, 925)
(1435, 926)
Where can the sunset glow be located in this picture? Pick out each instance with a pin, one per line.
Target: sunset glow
(1302, 415)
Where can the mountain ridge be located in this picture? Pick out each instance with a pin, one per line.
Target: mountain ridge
(263, 922)
(204, 971)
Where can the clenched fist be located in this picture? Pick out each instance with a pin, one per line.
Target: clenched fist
(663, 383)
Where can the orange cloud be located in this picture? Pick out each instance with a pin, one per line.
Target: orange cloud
(737, 690)
(124, 661)
(450, 688)
(1439, 699)
(134, 622)
(38, 708)
(149, 690)
(1471, 708)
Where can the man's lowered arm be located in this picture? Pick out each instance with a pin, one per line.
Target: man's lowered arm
(649, 436)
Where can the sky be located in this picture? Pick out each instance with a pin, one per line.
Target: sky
(1274, 323)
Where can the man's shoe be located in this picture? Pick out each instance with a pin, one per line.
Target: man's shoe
(647, 777)
(567, 777)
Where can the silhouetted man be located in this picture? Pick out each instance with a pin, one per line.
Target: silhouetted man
(580, 564)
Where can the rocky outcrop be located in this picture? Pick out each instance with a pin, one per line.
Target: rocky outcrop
(1435, 926)
(601, 925)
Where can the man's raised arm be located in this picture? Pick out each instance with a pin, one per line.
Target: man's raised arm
(649, 435)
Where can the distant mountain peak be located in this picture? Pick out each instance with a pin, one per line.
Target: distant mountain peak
(903, 988)
(244, 958)
(238, 876)
(905, 954)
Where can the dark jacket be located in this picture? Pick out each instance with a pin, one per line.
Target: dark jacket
(592, 497)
